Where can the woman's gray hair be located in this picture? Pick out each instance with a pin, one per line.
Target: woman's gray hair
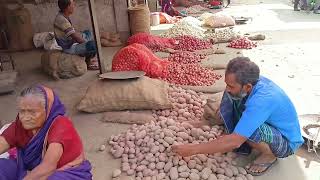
(35, 92)
(246, 71)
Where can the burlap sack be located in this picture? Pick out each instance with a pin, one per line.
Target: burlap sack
(211, 109)
(109, 43)
(7, 81)
(139, 19)
(118, 95)
(19, 28)
(60, 65)
(128, 117)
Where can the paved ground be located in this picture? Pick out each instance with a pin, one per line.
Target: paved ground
(288, 56)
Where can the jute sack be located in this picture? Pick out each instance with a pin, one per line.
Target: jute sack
(211, 109)
(117, 95)
(19, 28)
(139, 19)
(128, 117)
(60, 65)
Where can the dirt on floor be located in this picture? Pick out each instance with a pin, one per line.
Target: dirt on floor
(288, 56)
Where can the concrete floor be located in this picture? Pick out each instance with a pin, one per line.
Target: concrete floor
(290, 49)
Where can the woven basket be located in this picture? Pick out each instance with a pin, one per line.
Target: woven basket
(139, 19)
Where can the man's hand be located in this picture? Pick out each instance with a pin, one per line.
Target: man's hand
(184, 150)
(77, 37)
(222, 144)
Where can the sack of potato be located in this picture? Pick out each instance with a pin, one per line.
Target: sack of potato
(110, 39)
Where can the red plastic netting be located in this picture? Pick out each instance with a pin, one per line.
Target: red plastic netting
(138, 57)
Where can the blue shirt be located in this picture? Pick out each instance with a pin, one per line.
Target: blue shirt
(268, 103)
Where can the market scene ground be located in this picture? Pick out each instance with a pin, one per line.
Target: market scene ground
(288, 56)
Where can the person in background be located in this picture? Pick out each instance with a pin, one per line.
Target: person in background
(257, 114)
(167, 6)
(72, 42)
(48, 145)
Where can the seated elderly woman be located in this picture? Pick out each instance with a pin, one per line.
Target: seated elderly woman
(48, 145)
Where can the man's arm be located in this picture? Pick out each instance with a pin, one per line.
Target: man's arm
(77, 37)
(48, 164)
(4, 146)
(222, 144)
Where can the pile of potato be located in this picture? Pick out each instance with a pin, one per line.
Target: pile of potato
(145, 153)
(187, 106)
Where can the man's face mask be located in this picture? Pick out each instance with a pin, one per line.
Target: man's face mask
(239, 96)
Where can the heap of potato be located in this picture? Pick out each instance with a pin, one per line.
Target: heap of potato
(187, 106)
(146, 154)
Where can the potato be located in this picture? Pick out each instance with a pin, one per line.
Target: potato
(134, 166)
(184, 174)
(161, 176)
(192, 164)
(220, 171)
(116, 173)
(182, 162)
(130, 172)
(228, 172)
(194, 176)
(242, 170)
(205, 173)
(202, 157)
(141, 134)
(197, 159)
(221, 176)
(249, 177)
(168, 166)
(183, 135)
(206, 128)
(212, 177)
(162, 157)
(183, 168)
(223, 165)
(152, 166)
(169, 140)
(199, 167)
(146, 172)
(173, 173)
(181, 178)
(141, 167)
(175, 160)
(239, 178)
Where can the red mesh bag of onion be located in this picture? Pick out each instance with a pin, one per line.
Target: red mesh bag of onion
(138, 57)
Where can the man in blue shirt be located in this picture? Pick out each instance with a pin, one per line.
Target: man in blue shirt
(257, 114)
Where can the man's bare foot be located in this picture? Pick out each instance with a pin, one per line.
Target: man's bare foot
(261, 164)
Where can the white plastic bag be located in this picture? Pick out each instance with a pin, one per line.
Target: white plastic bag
(219, 20)
(46, 40)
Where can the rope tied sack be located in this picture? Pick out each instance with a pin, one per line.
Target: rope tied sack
(139, 19)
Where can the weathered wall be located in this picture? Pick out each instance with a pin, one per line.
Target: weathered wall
(43, 15)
